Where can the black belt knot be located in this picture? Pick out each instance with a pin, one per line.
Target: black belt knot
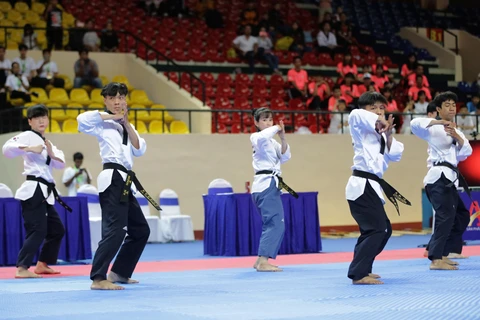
(392, 194)
(281, 183)
(131, 177)
(461, 179)
(50, 188)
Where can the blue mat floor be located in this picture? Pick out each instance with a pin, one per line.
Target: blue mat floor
(306, 292)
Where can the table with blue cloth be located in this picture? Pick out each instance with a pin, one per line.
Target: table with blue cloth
(75, 244)
(233, 224)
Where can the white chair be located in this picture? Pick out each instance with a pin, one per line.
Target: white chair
(218, 186)
(153, 221)
(175, 225)
(5, 191)
(94, 213)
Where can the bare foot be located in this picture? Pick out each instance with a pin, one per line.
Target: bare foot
(456, 256)
(256, 265)
(104, 285)
(441, 265)
(450, 262)
(267, 267)
(425, 253)
(367, 280)
(374, 276)
(114, 277)
(23, 273)
(42, 268)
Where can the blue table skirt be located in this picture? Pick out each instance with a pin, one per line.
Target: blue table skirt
(233, 225)
(75, 244)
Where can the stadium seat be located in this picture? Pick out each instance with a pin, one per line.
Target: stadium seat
(158, 127)
(31, 17)
(14, 16)
(68, 83)
(96, 96)
(54, 127)
(160, 115)
(5, 6)
(141, 127)
(21, 7)
(38, 7)
(104, 80)
(140, 97)
(73, 110)
(96, 106)
(70, 126)
(79, 95)
(178, 127)
(123, 79)
(56, 114)
(59, 95)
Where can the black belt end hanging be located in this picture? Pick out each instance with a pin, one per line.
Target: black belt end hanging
(281, 183)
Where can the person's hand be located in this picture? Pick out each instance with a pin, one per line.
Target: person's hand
(48, 144)
(34, 149)
(391, 125)
(281, 133)
(383, 125)
(452, 132)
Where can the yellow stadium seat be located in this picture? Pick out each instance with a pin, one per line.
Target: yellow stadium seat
(12, 45)
(104, 80)
(5, 6)
(2, 16)
(53, 127)
(141, 127)
(56, 114)
(96, 106)
(123, 79)
(66, 36)
(68, 20)
(160, 115)
(28, 105)
(14, 16)
(38, 7)
(42, 95)
(32, 17)
(17, 35)
(178, 127)
(70, 126)
(21, 23)
(59, 95)
(68, 83)
(7, 23)
(41, 24)
(96, 96)
(158, 127)
(142, 115)
(140, 97)
(80, 96)
(73, 110)
(21, 7)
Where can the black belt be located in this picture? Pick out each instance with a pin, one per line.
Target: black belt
(281, 183)
(50, 189)
(392, 194)
(460, 178)
(131, 177)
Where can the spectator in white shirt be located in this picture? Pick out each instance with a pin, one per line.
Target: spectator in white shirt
(76, 176)
(339, 120)
(5, 67)
(27, 64)
(247, 47)
(47, 72)
(17, 84)
(265, 50)
(91, 41)
(465, 122)
(327, 41)
(29, 37)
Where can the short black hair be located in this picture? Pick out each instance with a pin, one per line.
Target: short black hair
(77, 156)
(113, 88)
(46, 50)
(38, 110)
(421, 93)
(83, 50)
(297, 58)
(257, 113)
(444, 96)
(370, 98)
(13, 63)
(419, 76)
(22, 47)
(431, 107)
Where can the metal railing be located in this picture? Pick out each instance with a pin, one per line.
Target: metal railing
(13, 119)
(443, 37)
(135, 45)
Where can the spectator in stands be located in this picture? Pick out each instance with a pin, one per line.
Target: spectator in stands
(76, 176)
(201, 7)
(27, 64)
(75, 37)
(337, 95)
(465, 122)
(379, 78)
(412, 78)
(338, 13)
(345, 37)
(47, 72)
(319, 91)
(247, 47)
(29, 37)
(414, 91)
(298, 44)
(367, 69)
(392, 104)
(327, 42)
(409, 67)
(109, 39)
(347, 66)
(409, 113)
(86, 71)
(379, 65)
(265, 51)
(17, 84)
(372, 88)
(298, 79)
(367, 81)
(213, 17)
(54, 18)
(391, 79)
(476, 84)
(275, 16)
(349, 89)
(5, 67)
(339, 120)
(472, 105)
(91, 41)
(324, 6)
(249, 16)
